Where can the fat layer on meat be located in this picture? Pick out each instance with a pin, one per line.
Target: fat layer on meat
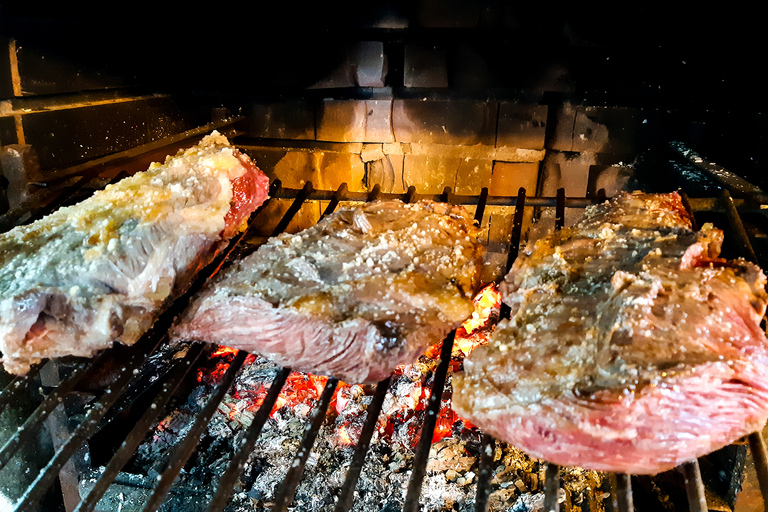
(631, 346)
(99, 271)
(365, 290)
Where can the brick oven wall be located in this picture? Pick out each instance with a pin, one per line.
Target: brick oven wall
(427, 93)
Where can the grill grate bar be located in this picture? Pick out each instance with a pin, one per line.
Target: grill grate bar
(294, 208)
(560, 209)
(742, 238)
(346, 498)
(428, 427)
(622, 495)
(189, 443)
(226, 484)
(485, 473)
(173, 379)
(517, 229)
(552, 488)
(694, 486)
(621, 485)
(338, 196)
(32, 425)
(410, 194)
(90, 424)
(482, 201)
(373, 195)
(286, 493)
(760, 459)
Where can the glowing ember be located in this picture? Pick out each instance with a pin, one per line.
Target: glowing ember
(487, 304)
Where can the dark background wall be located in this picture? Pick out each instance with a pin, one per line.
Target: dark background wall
(690, 75)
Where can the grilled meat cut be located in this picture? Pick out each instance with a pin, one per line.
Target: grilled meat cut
(365, 290)
(101, 270)
(631, 346)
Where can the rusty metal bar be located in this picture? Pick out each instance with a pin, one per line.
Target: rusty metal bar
(428, 427)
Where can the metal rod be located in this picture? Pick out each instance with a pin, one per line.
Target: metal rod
(189, 443)
(428, 427)
(552, 488)
(90, 424)
(338, 196)
(346, 498)
(485, 473)
(292, 479)
(514, 243)
(373, 195)
(225, 485)
(560, 209)
(517, 229)
(410, 195)
(687, 205)
(694, 486)
(621, 484)
(31, 427)
(601, 196)
(139, 431)
(447, 195)
(293, 209)
(482, 201)
(742, 238)
(760, 459)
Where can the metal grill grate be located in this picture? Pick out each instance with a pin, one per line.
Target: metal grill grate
(132, 358)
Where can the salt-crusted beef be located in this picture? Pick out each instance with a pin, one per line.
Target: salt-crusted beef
(365, 290)
(631, 347)
(100, 271)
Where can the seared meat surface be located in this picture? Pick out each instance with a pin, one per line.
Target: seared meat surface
(101, 270)
(631, 346)
(365, 290)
